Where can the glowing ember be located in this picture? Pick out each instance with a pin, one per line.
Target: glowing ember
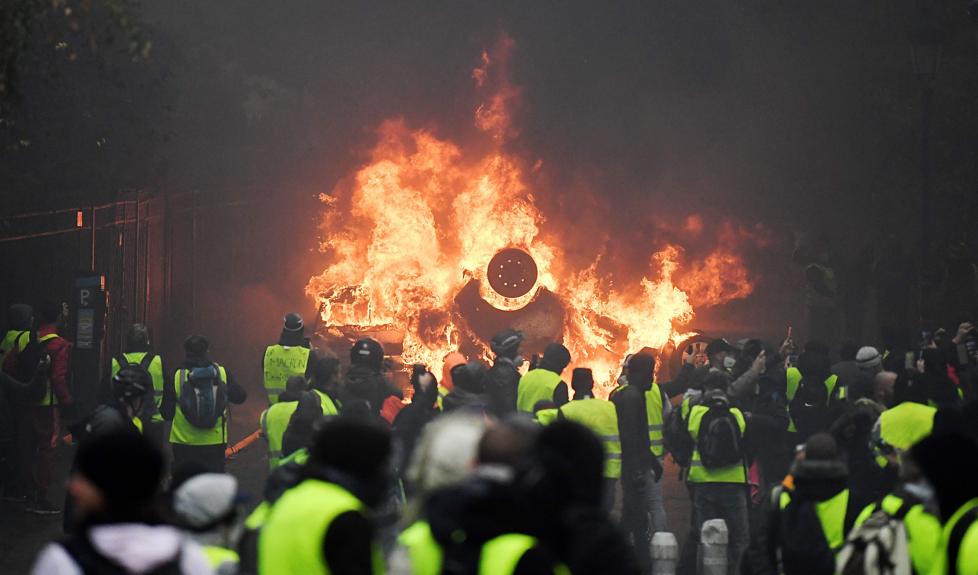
(422, 219)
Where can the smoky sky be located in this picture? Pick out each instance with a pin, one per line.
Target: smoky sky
(802, 117)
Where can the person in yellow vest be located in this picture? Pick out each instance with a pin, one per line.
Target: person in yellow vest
(321, 525)
(275, 420)
(810, 520)
(290, 356)
(20, 317)
(639, 410)
(19, 320)
(478, 525)
(326, 384)
(544, 383)
(208, 506)
(717, 473)
(565, 503)
(601, 418)
(139, 352)
(949, 462)
(197, 402)
(39, 423)
(912, 503)
(129, 391)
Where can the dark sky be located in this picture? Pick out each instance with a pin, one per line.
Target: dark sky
(802, 117)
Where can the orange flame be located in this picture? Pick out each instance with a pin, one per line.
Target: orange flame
(422, 218)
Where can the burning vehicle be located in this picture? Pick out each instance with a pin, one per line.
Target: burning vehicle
(434, 247)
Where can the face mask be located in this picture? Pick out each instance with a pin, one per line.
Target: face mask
(923, 491)
(729, 362)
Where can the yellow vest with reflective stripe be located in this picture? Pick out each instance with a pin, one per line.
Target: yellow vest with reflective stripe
(700, 474)
(546, 416)
(329, 407)
(601, 417)
(904, 425)
(501, 556)
(831, 514)
(49, 396)
(423, 551)
(653, 411)
(218, 557)
(967, 552)
(794, 381)
(274, 421)
(291, 541)
(923, 530)
(536, 386)
(13, 341)
(183, 433)
(155, 371)
(282, 362)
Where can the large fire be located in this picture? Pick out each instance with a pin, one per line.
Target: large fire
(423, 217)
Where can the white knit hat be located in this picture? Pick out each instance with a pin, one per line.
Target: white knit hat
(869, 357)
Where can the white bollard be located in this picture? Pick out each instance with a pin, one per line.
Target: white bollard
(713, 548)
(665, 553)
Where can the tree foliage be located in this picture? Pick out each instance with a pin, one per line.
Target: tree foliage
(47, 34)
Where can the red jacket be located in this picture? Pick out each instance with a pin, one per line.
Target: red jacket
(60, 351)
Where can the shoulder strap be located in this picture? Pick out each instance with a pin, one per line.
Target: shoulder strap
(123, 361)
(90, 561)
(148, 358)
(957, 536)
(905, 507)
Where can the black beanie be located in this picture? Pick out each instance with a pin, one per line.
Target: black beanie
(555, 358)
(352, 446)
(125, 466)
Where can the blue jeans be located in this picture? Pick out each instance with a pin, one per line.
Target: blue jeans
(727, 501)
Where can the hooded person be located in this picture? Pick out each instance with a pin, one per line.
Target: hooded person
(365, 388)
(565, 494)
(504, 375)
(116, 484)
(446, 454)
(469, 389)
(208, 506)
(290, 356)
(640, 466)
(949, 462)
(484, 523)
(544, 383)
(810, 520)
(347, 474)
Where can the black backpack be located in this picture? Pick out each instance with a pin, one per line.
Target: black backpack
(676, 438)
(720, 438)
(27, 360)
(801, 542)
(203, 396)
(91, 562)
(809, 408)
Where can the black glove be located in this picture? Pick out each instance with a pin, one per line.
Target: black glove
(657, 470)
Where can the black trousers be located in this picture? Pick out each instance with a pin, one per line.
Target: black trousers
(194, 459)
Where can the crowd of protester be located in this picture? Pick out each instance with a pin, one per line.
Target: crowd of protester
(868, 464)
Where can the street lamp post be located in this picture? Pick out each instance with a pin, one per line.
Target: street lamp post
(926, 47)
